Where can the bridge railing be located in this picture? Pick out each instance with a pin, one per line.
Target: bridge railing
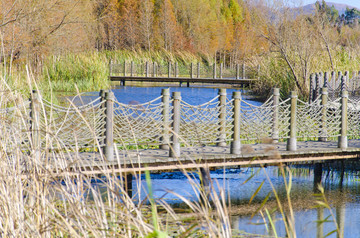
(104, 122)
(335, 82)
(185, 70)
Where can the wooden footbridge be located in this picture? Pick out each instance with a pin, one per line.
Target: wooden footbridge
(190, 74)
(168, 133)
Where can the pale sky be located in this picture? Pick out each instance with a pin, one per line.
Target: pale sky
(354, 3)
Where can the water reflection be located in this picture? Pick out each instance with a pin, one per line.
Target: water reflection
(341, 190)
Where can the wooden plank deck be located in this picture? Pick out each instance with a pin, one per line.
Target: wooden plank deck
(183, 80)
(212, 157)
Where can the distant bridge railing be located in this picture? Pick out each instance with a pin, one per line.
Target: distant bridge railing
(175, 70)
(171, 123)
(335, 83)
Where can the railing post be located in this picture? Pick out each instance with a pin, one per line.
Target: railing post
(237, 71)
(291, 142)
(221, 70)
(333, 79)
(169, 69)
(110, 67)
(312, 90)
(343, 140)
(154, 66)
(214, 71)
(243, 71)
(343, 82)
(108, 148)
(275, 129)
(326, 79)
(198, 69)
(235, 147)
(222, 117)
(124, 68)
(323, 122)
(165, 140)
(317, 86)
(132, 69)
(175, 146)
(176, 70)
(191, 70)
(35, 123)
(147, 69)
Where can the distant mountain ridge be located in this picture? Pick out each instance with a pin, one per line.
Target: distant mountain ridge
(310, 8)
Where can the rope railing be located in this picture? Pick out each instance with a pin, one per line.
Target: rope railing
(170, 122)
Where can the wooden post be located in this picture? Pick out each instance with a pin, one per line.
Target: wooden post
(175, 146)
(108, 148)
(237, 71)
(343, 140)
(191, 70)
(333, 79)
(312, 91)
(169, 70)
(291, 142)
(153, 71)
(221, 70)
(132, 69)
(35, 123)
(110, 67)
(165, 140)
(222, 117)
(275, 129)
(235, 147)
(347, 78)
(128, 184)
(323, 122)
(176, 70)
(147, 69)
(205, 184)
(124, 68)
(198, 69)
(243, 71)
(317, 86)
(343, 83)
(326, 79)
(214, 71)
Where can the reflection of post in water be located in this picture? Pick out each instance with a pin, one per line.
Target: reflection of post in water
(317, 176)
(272, 228)
(320, 224)
(340, 217)
(342, 171)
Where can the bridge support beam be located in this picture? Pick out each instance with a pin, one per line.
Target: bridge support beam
(291, 142)
(222, 118)
(275, 129)
(235, 147)
(323, 122)
(165, 140)
(175, 145)
(343, 140)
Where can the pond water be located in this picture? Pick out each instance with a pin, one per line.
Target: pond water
(343, 198)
